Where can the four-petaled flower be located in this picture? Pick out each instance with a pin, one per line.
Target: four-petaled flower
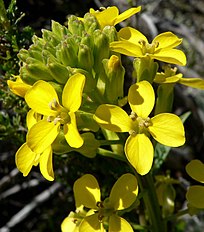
(166, 128)
(110, 16)
(43, 99)
(134, 43)
(123, 194)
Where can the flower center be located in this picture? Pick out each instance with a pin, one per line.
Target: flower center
(144, 122)
(62, 114)
(104, 210)
(148, 48)
(141, 124)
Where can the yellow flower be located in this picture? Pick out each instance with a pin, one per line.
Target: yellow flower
(134, 43)
(18, 87)
(122, 196)
(169, 76)
(165, 128)
(110, 16)
(25, 158)
(43, 99)
(195, 193)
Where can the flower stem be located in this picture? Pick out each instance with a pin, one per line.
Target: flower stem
(151, 203)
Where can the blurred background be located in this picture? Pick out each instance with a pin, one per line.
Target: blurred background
(34, 204)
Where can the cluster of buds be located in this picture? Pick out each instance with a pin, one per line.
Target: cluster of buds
(82, 47)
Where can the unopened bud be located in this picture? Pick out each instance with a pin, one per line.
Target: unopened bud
(75, 26)
(85, 57)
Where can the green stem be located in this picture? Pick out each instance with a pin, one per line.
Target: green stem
(109, 142)
(110, 154)
(177, 215)
(151, 203)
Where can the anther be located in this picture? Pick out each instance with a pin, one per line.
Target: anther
(133, 115)
(132, 132)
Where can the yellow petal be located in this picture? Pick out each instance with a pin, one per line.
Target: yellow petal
(139, 152)
(91, 224)
(195, 169)
(69, 225)
(18, 87)
(126, 14)
(197, 83)
(167, 129)
(87, 192)
(72, 134)
(72, 92)
(124, 192)
(25, 159)
(30, 118)
(40, 96)
(132, 35)
(46, 164)
(172, 56)
(119, 224)
(126, 48)
(167, 40)
(141, 98)
(42, 135)
(106, 17)
(113, 118)
(195, 196)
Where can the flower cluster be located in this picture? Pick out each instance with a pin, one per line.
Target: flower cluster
(72, 79)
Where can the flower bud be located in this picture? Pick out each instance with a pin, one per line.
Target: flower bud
(38, 43)
(75, 26)
(67, 53)
(111, 33)
(115, 78)
(90, 23)
(85, 57)
(101, 49)
(36, 71)
(35, 54)
(59, 72)
(59, 30)
(50, 37)
(23, 55)
(87, 40)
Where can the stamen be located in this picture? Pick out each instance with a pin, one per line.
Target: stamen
(133, 115)
(100, 217)
(54, 105)
(99, 204)
(132, 132)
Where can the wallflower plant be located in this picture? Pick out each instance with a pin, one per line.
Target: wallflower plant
(73, 79)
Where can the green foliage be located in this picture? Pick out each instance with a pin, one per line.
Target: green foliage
(12, 39)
